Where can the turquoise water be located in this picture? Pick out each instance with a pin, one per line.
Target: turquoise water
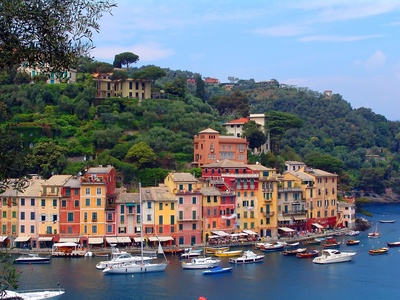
(279, 277)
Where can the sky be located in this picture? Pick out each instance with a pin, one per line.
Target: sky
(351, 47)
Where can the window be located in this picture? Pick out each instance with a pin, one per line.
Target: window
(49, 230)
(172, 220)
(98, 201)
(54, 218)
(76, 203)
(55, 202)
(180, 227)
(208, 199)
(160, 206)
(76, 192)
(85, 216)
(32, 228)
(14, 228)
(4, 214)
(63, 203)
(194, 226)
(22, 228)
(180, 215)
(22, 201)
(180, 200)
(94, 228)
(109, 229)
(32, 215)
(172, 206)
(22, 215)
(160, 230)
(148, 217)
(122, 219)
(109, 217)
(32, 202)
(70, 217)
(122, 209)
(98, 191)
(85, 229)
(87, 202)
(94, 216)
(194, 200)
(148, 204)
(69, 229)
(43, 202)
(194, 215)
(14, 214)
(160, 220)
(87, 191)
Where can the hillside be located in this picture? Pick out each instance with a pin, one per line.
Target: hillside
(61, 124)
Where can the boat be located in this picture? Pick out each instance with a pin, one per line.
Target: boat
(387, 221)
(247, 258)
(352, 242)
(374, 234)
(212, 250)
(309, 254)
(292, 245)
(393, 244)
(312, 242)
(175, 250)
(268, 247)
(141, 266)
(353, 233)
(36, 294)
(32, 258)
(331, 245)
(201, 263)
(330, 256)
(378, 251)
(67, 249)
(228, 253)
(294, 252)
(122, 258)
(217, 270)
(190, 254)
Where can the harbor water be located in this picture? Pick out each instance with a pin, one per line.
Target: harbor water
(278, 277)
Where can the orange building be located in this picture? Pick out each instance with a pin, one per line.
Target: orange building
(209, 147)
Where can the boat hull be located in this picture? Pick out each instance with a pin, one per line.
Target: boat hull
(228, 253)
(333, 257)
(217, 271)
(201, 263)
(393, 244)
(135, 268)
(32, 261)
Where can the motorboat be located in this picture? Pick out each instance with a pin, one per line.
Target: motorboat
(228, 253)
(67, 249)
(37, 294)
(393, 244)
(268, 247)
(379, 251)
(312, 242)
(248, 257)
(217, 270)
(352, 242)
(387, 221)
(190, 254)
(331, 245)
(122, 258)
(330, 256)
(174, 250)
(309, 254)
(32, 258)
(295, 251)
(201, 263)
(212, 250)
(353, 233)
(292, 245)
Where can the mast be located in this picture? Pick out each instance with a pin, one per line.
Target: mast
(141, 221)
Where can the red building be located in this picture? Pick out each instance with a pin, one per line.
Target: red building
(70, 210)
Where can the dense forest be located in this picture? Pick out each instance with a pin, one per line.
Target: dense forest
(65, 129)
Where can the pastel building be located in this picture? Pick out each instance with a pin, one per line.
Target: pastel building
(210, 146)
(70, 218)
(189, 207)
(127, 219)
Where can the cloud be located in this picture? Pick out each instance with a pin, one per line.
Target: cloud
(147, 52)
(337, 38)
(282, 30)
(376, 60)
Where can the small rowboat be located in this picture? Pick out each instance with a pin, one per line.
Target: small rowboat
(228, 253)
(217, 270)
(331, 245)
(352, 242)
(393, 244)
(312, 253)
(378, 251)
(294, 252)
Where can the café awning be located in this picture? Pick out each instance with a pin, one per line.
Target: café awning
(22, 239)
(318, 225)
(286, 229)
(138, 239)
(220, 233)
(124, 239)
(45, 238)
(251, 232)
(283, 219)
(160, 238)
(96, 241)
(300, 218)
(3, 238)
(69, 240)
(112, 239)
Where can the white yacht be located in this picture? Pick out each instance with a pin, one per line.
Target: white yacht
(329, 256)
(122, 258)
(201, 263)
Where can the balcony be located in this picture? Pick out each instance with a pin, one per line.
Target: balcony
(188, 220)
(268, 214)
(94, 220)
(289, 189)
(296, 212)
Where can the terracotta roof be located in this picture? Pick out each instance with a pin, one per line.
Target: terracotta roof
(210, 191)
(237, 121)
(225, 163)
(209, 130)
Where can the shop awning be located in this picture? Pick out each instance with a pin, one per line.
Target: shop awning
(112, 239)
(3, 238)
(238, 234)
(318, 225)
(138, 239)
(160, 238)
(220, 233)
(124, 239)
(283, 219)
(96, 241)
(286, 229)
(22, 239)
(251, 232)
(299, 218)
(69, 240)
(45, 238)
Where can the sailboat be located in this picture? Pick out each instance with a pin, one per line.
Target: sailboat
(374, 234)
(142, 266)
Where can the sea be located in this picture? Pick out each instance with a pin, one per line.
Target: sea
(278, 277)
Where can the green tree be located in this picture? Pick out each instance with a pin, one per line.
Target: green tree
(119, 75)
(48, 158)
(150, 72)
(125, 58)
(176, 87)
(235, 104)
(200, 87)
(54, 33)
(141, 155)
(324, 162)
(253, 135)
